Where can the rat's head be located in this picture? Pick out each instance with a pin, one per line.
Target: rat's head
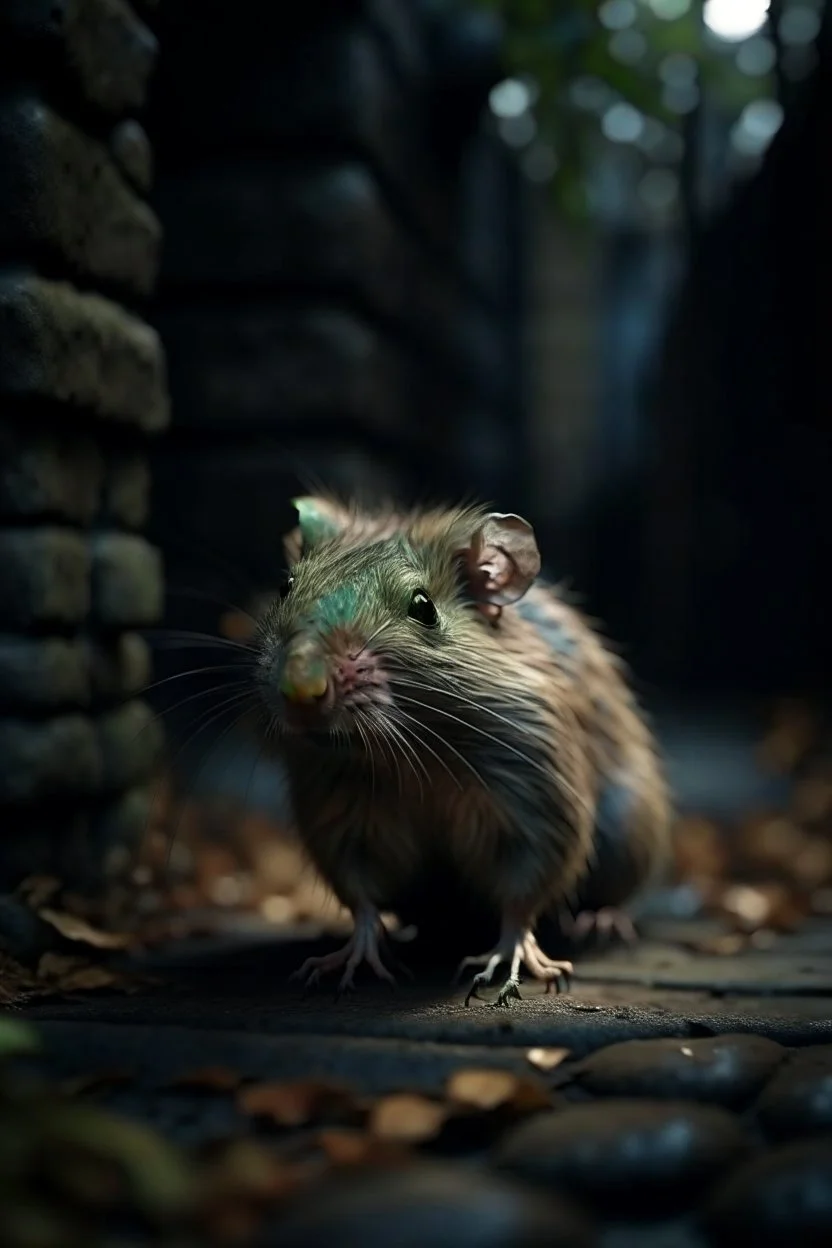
(374, 602)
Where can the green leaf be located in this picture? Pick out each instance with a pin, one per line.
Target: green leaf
(17, 1038)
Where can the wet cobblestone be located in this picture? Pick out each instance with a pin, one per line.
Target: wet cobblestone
(723, 1070)
(624, 1154)
(798, 1100)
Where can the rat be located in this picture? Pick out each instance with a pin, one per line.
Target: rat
(435, 700)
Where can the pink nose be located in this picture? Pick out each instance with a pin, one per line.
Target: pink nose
(347, 674)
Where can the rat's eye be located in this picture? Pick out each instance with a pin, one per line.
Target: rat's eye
(422, 610)
(286, 584)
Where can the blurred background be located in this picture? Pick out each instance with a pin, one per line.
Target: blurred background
(564, 256)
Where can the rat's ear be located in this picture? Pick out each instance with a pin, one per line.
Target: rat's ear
(319, 520)
(502, 559)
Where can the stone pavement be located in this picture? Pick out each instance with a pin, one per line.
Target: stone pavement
(694, 1108)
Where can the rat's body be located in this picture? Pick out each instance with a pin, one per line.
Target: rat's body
(426, 720)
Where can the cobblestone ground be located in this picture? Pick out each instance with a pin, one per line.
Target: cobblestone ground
(694, 1106)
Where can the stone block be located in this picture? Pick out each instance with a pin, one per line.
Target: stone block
(133, 154)
(65, 199)
(62, 346)
(331, 83)
(130, 739)
(261, 222)
(109, 52)
(232, 366)
(42, 761)
(127, 581)
(126, 494)
(44, 578)
(49, 673)
(48, 475)
(118, 668)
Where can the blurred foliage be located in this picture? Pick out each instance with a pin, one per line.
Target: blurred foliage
(554, 44)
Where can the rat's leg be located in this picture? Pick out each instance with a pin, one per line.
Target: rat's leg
(364, 945)
(517, 946)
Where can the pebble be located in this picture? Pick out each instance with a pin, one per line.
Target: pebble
(625, 1154)
(798, 1101)
(781, 1197)
(443, 1206)
(726, 1070)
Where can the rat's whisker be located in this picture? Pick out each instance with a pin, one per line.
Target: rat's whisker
(423, 727)
(225, 732)
(405, 728)
(197, 671)
(189, 635)
(372, 638)
(394, 729)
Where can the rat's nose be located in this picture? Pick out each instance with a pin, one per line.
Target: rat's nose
(304, 678)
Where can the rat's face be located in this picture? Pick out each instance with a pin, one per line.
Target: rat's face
(369, 608)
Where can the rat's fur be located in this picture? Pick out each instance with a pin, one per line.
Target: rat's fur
(505, 740)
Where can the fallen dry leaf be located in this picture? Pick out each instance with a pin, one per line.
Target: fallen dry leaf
(293, 1104)
(16, 982)
(547, 1059)
(209, 1078)
(700, 850)
(61, 974)
(772, 905)
(36, 890)
(792, 734)
(406, 1117)
(74, 928)
(345, 1147)
(492, 1089)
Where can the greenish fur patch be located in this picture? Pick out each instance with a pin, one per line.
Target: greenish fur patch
(338, 609)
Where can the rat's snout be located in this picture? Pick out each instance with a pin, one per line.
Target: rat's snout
(304, 678)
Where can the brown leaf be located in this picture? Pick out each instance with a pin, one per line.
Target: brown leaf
(293, 1104)
(73, 928)
(492, 1089)
(547, 1059)
(16, 982)
(36, 890)
(211, 1078)
(700, 850)
(92, 1083)
(63, 974)
(345, 1147)
(792, 734)
(766, 905)
(725, 945)
(407, 1118)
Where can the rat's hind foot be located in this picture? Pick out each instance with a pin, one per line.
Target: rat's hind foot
(362, 946)
(517, 949)
(607, 923)
(510, 991)
(555, 974)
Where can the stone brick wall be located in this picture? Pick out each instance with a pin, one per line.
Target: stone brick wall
(82, 388)
(335, 299)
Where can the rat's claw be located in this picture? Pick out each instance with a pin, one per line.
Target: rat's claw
(362, 946)
(510, 991)
(476, 959)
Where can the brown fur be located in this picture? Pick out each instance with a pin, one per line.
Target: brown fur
(527, 727)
